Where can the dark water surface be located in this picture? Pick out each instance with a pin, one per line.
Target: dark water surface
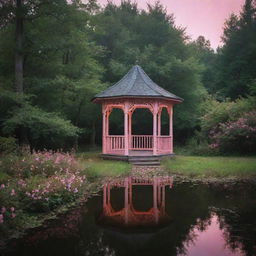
(150, 217)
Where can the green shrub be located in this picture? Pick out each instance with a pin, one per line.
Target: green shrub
(221, 112)
(236, 136)
(8, 145)
(45, 163)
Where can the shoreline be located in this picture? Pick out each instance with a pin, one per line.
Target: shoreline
(230, 184)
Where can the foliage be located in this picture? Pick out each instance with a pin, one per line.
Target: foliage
(38, 183)
(8, 145)
(43, 163)
(236, 136)
(43, 129)
(216, 112)
(236, 59)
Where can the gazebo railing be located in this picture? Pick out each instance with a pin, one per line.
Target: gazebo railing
(141, 142)
(115, 142)
(164, 144)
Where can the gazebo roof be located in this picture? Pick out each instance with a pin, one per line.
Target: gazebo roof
(136, 83)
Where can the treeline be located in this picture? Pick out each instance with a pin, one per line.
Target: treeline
(56, 55)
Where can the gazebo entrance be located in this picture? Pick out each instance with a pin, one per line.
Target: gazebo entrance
(136, 91)
(130, 144)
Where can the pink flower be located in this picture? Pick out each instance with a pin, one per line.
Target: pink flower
(12, 209)
(1, 218)
(75, 190)
(3, 210)
(2, 186)
(13, 192)
(13, 215)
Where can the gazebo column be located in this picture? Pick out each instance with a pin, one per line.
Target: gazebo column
(130, 129)
(155, 111)
(171, 128)
(159, 122)
(104, 142)
(126, 128)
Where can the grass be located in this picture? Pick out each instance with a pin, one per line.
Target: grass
(191, 166)
(241, 167)
(3, 177)
(94, 167)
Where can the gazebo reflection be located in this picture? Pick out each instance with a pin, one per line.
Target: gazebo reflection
(129, 216)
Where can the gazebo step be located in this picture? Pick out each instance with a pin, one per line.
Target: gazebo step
(148, 163)
(114, 157)
(143, 158)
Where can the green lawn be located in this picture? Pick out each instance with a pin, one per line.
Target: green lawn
(95, 167)
(212, 166)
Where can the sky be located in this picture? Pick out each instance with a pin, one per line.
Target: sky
(200, 17)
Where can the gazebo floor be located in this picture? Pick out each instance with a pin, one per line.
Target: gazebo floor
(138, 157)
(140, 152)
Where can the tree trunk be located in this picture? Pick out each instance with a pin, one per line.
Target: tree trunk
(19, 47)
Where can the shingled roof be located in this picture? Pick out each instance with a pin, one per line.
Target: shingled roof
(136, 83)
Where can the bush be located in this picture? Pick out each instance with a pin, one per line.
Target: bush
(45, 163)
(221, 112)
(8, 145)
(236, 136)
(41, 129)
(37, 183)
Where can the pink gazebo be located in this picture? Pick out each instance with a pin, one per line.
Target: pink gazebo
(128, 215)
(136, 90)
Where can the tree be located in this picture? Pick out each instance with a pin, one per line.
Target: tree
(237, 57)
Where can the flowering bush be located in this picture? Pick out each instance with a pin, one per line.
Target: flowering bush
(44, 163)
(236, 136)
(38, 183)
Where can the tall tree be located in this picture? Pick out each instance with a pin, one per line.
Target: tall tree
(19, 46)
(237, 57)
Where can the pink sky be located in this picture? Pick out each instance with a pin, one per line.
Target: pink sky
(200, 17)
(210, 242)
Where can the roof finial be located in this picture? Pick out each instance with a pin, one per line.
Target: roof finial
(136, 62)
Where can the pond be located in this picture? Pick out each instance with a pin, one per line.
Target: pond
(153, 216)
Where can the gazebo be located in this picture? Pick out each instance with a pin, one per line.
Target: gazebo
(128, 215)
(136, 90)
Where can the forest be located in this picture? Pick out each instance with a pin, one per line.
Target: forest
(55, 55)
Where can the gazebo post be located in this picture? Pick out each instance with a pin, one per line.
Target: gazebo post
(159, 122)
(170, 128)
(130, 129)
(104, 143)
(155, 110)
(126, 134)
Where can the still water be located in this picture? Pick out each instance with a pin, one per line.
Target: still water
(154, 216)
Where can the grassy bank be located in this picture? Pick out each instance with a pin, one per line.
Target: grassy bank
(220, 167)
(96, 168)
(39, 186)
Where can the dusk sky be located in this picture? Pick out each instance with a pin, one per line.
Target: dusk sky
(200, 17)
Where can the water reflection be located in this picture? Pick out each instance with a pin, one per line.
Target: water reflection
(129, 215)
(154, 216)
(211, 240)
